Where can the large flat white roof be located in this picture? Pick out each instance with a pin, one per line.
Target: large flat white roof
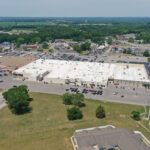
(85, 71)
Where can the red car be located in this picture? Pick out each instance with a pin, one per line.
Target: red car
(122, 96)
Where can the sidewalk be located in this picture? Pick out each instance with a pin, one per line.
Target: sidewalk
(2, 102)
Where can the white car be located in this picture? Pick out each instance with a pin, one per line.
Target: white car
(115, 93)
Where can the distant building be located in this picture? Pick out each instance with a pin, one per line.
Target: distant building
(6, 43)
(30, 47)
(5, 46)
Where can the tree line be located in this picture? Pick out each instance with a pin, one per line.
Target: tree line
(79, 33)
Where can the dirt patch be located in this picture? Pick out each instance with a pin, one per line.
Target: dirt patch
(18, 61)
(122, 116)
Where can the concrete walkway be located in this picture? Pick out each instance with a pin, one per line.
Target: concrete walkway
(2, 101)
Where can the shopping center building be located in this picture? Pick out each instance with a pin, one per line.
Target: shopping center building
(83, 73)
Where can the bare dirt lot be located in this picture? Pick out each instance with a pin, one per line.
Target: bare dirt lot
(12, 61)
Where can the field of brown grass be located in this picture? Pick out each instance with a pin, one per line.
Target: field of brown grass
(47, 127)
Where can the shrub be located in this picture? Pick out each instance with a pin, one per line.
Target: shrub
(136, 115)
(74, 113)
(78, 100)
(67, 99)
(100, 112)
(73, 99)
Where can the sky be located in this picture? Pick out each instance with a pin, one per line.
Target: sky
(75, 8)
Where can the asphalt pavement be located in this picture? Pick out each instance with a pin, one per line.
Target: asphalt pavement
(129, 95)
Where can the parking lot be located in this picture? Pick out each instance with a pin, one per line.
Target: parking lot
(72, 55)
(130, 95)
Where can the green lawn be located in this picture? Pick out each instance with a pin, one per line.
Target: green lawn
(47, 127)
(148, 59)
(6, 24)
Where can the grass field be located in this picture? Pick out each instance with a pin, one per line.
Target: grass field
(6, 24)
(47, 127)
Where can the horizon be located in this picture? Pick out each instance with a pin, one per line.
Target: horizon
(78, 8)
(75, 16)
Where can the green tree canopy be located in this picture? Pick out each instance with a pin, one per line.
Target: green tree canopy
(109, 41)
(36, 39)
(135, 115)
(146, 53)
(131, 40)
(83, 47)
(86, 46)
(18, 99)
(45, 45)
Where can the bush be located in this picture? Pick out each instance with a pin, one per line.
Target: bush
(78, 100)
(74, 113)
(73, 99)
(100, 112)
(67, 99)
(136, 115)
(18, 99)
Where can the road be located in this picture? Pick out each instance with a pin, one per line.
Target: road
(107, 51)
(139, 96)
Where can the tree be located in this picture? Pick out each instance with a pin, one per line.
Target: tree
(74, 113)
(40, 50)
(50, 50)
(86, 46)
(131, 40)
(36, 39)
(67, 99)
(146, 53)
(18, 99)
(135, 115)
(100, 112)
(109, 41)
(77, 48)
(80, 48)
(128, 51)
(45, 45)
(149, 59)
(20, 41)
(78, 99)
